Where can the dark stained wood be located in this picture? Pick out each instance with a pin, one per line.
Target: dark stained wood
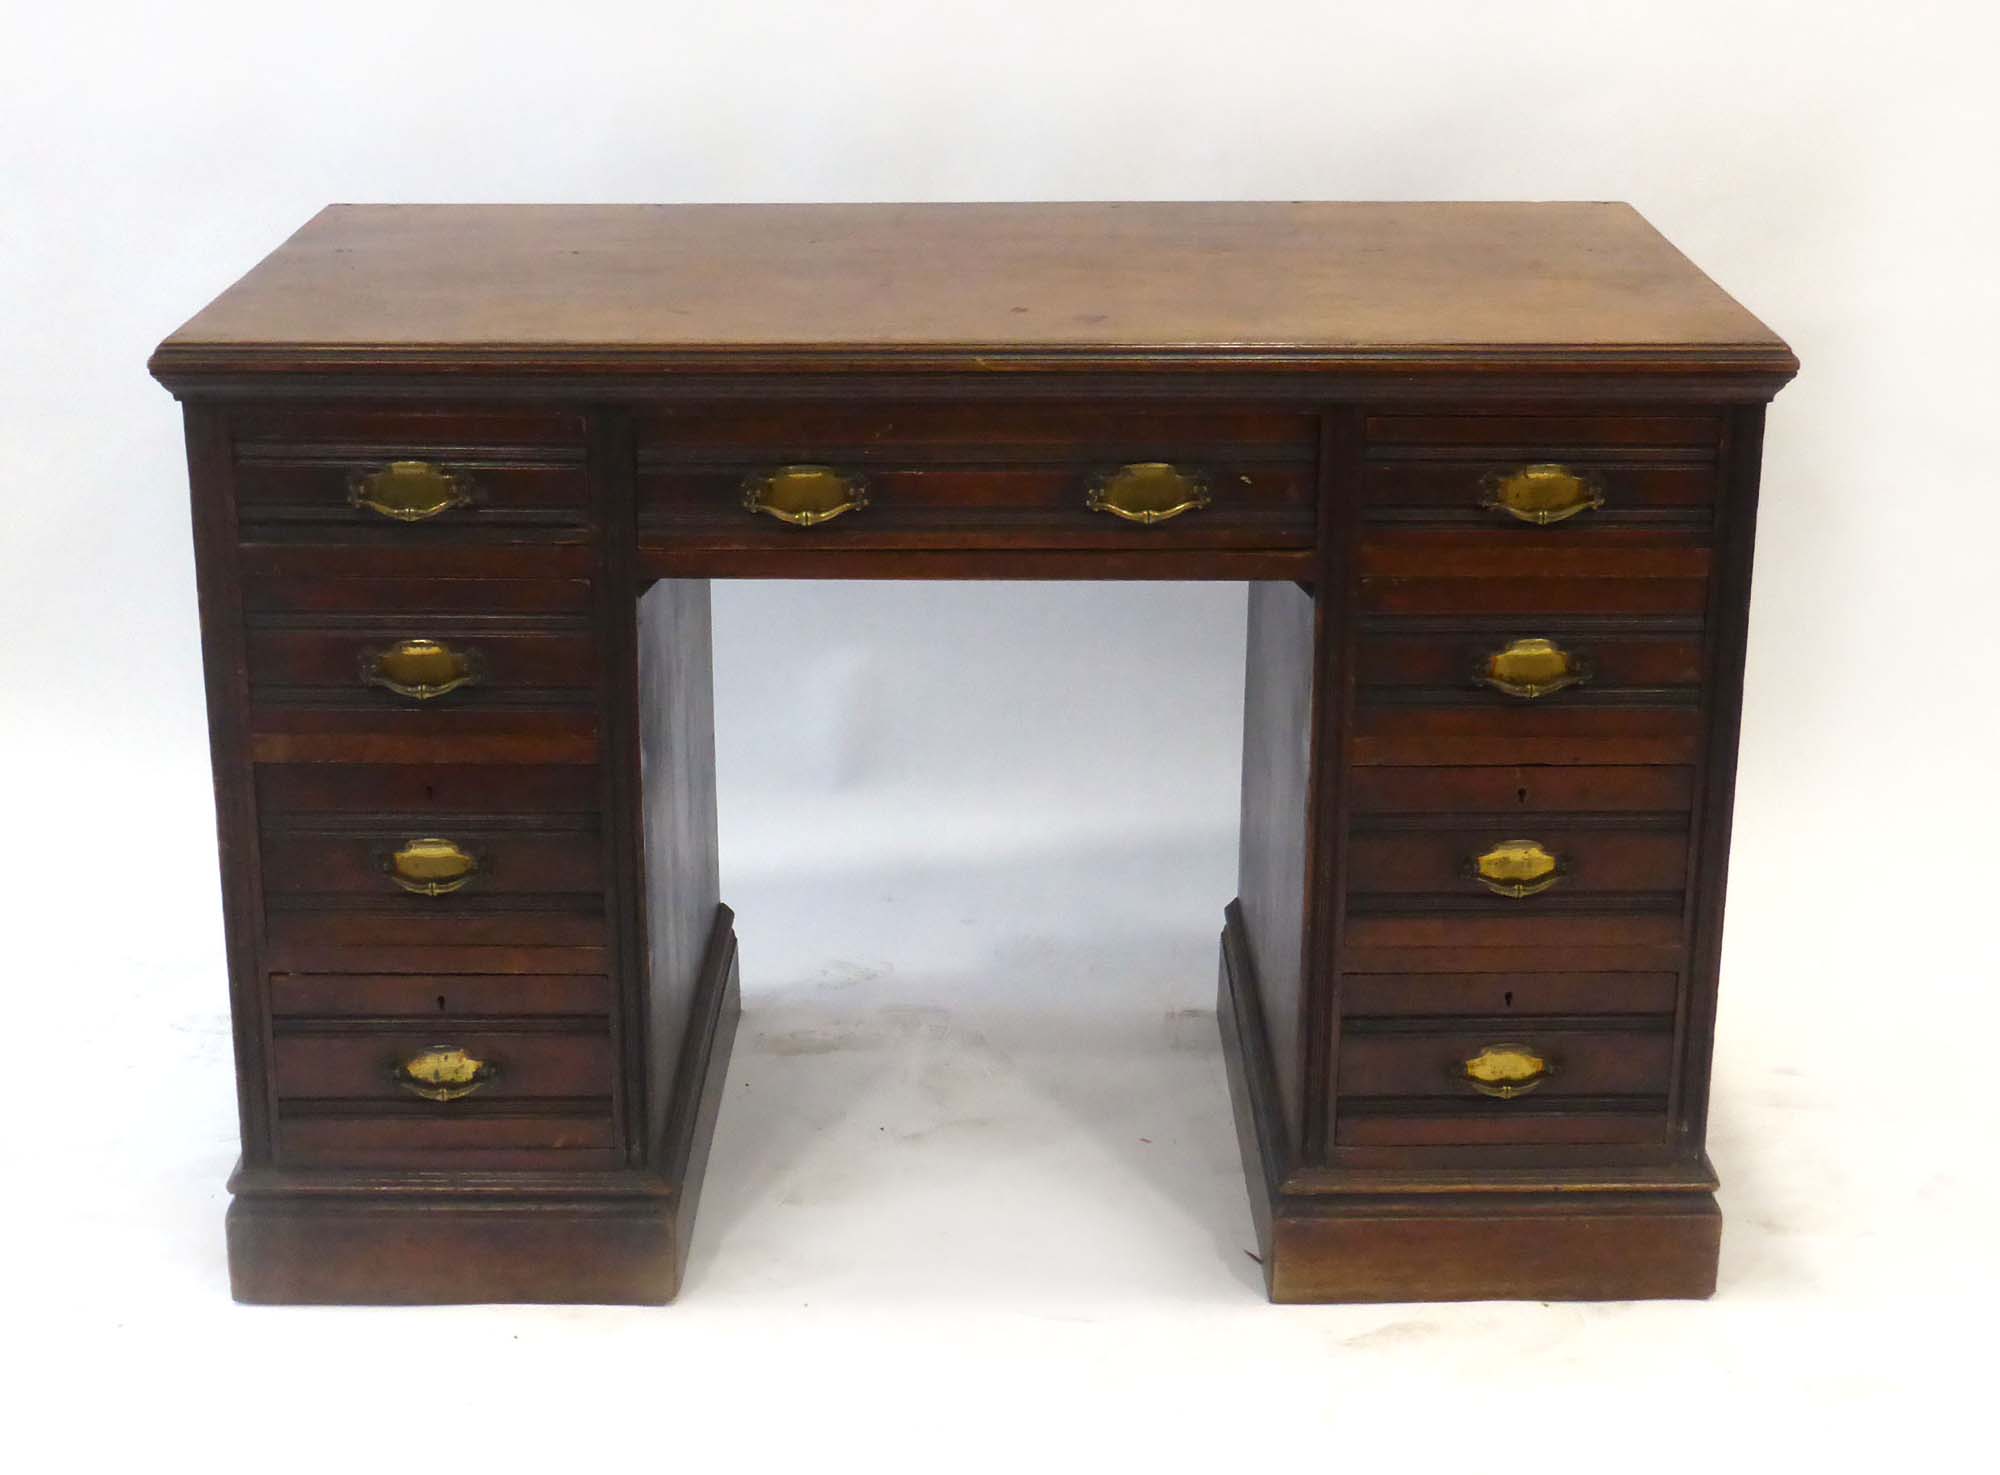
(1522, 789)
(1435, 861)
(675, 756)
(1587, 1062)
(518, 288)
(439, 997)
(606, 377)
(428, 788)
(1501, 995)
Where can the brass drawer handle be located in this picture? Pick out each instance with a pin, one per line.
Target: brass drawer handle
(1147, 492)
(1517, 869)
(443, 1073)
(1541, 494)
(1531, 668)
(1505, 1071)
(409, 491)
(431, 866)
(421, 669)
(805, 496)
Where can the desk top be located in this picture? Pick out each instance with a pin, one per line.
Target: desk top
(622, 288)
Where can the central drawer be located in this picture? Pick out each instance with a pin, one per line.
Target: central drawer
(963, 476)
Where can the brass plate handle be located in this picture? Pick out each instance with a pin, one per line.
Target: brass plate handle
(1147, 492)
(421, 669)
(1531, 668)
(1541, 494)
(1516, 868)
(1505, 1071)
(443, 1073)
(409, 491)
(431, 866)
(805, 496)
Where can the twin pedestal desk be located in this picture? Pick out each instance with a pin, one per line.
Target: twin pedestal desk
(461, 476)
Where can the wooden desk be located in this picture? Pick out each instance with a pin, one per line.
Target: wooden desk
(461, 475)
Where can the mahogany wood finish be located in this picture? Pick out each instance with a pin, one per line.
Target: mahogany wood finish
(1347, 384)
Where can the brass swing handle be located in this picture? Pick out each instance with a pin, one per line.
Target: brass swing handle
(805, 496)
(1148, 492)
(443, 1073)
(431, 866)
(1541, 494)
(1531, 668)
(409, 491)
(421, 669)
(1505, 1071)
(1517, 869)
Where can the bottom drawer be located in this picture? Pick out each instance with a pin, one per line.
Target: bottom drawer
(433, 1070)
(1506, 1062)
(464, 1136)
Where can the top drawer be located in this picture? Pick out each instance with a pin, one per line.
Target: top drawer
(1605, 468)
(966, 476)
(378, 473)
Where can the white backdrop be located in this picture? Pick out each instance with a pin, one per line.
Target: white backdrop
(974, 1190)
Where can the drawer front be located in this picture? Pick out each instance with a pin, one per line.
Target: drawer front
(514, 1139)
(1489, 1060)
(401, 936)
(270, 587)
(439, 998)
(1480, 862)
(444, 789)
(973, 476)
(328, 472)
(1522, 789)
(376, 1065)
(373, 861)
(1482, 663)
(431, 735)
(477, 662)
(1506, 995)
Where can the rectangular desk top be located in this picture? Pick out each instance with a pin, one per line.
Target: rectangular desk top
(968, 288)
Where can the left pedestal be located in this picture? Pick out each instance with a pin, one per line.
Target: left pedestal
(482, 985)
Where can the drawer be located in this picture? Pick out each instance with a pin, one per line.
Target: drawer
(509, 1139)
(443, 788)
(1483, 1060)
(971, 476)
(270, 588)
(1455, 490)
(517, 1064)
(1522, 789)
(447, 865)
(1526, 733)
(1517, 662)
(423, 734)
(511, 938)
(1505, 995)
(461, 662)
(1549, 863)
(1550, 431)
(1503, 572)
(326, 470)
(438, 998)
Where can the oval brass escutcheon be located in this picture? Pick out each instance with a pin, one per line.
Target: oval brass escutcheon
(421, 669)
(1516, 868)
(1531, 668)
(1542, 493)
(443, 1073)
(805, 496)
(432, 866)
(409, 491)
(1505, 1070)
(1148, 492)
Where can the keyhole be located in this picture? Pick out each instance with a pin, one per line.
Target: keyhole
(1506, 998)
(1520, 796)
(441, 1002)
(430, 791)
